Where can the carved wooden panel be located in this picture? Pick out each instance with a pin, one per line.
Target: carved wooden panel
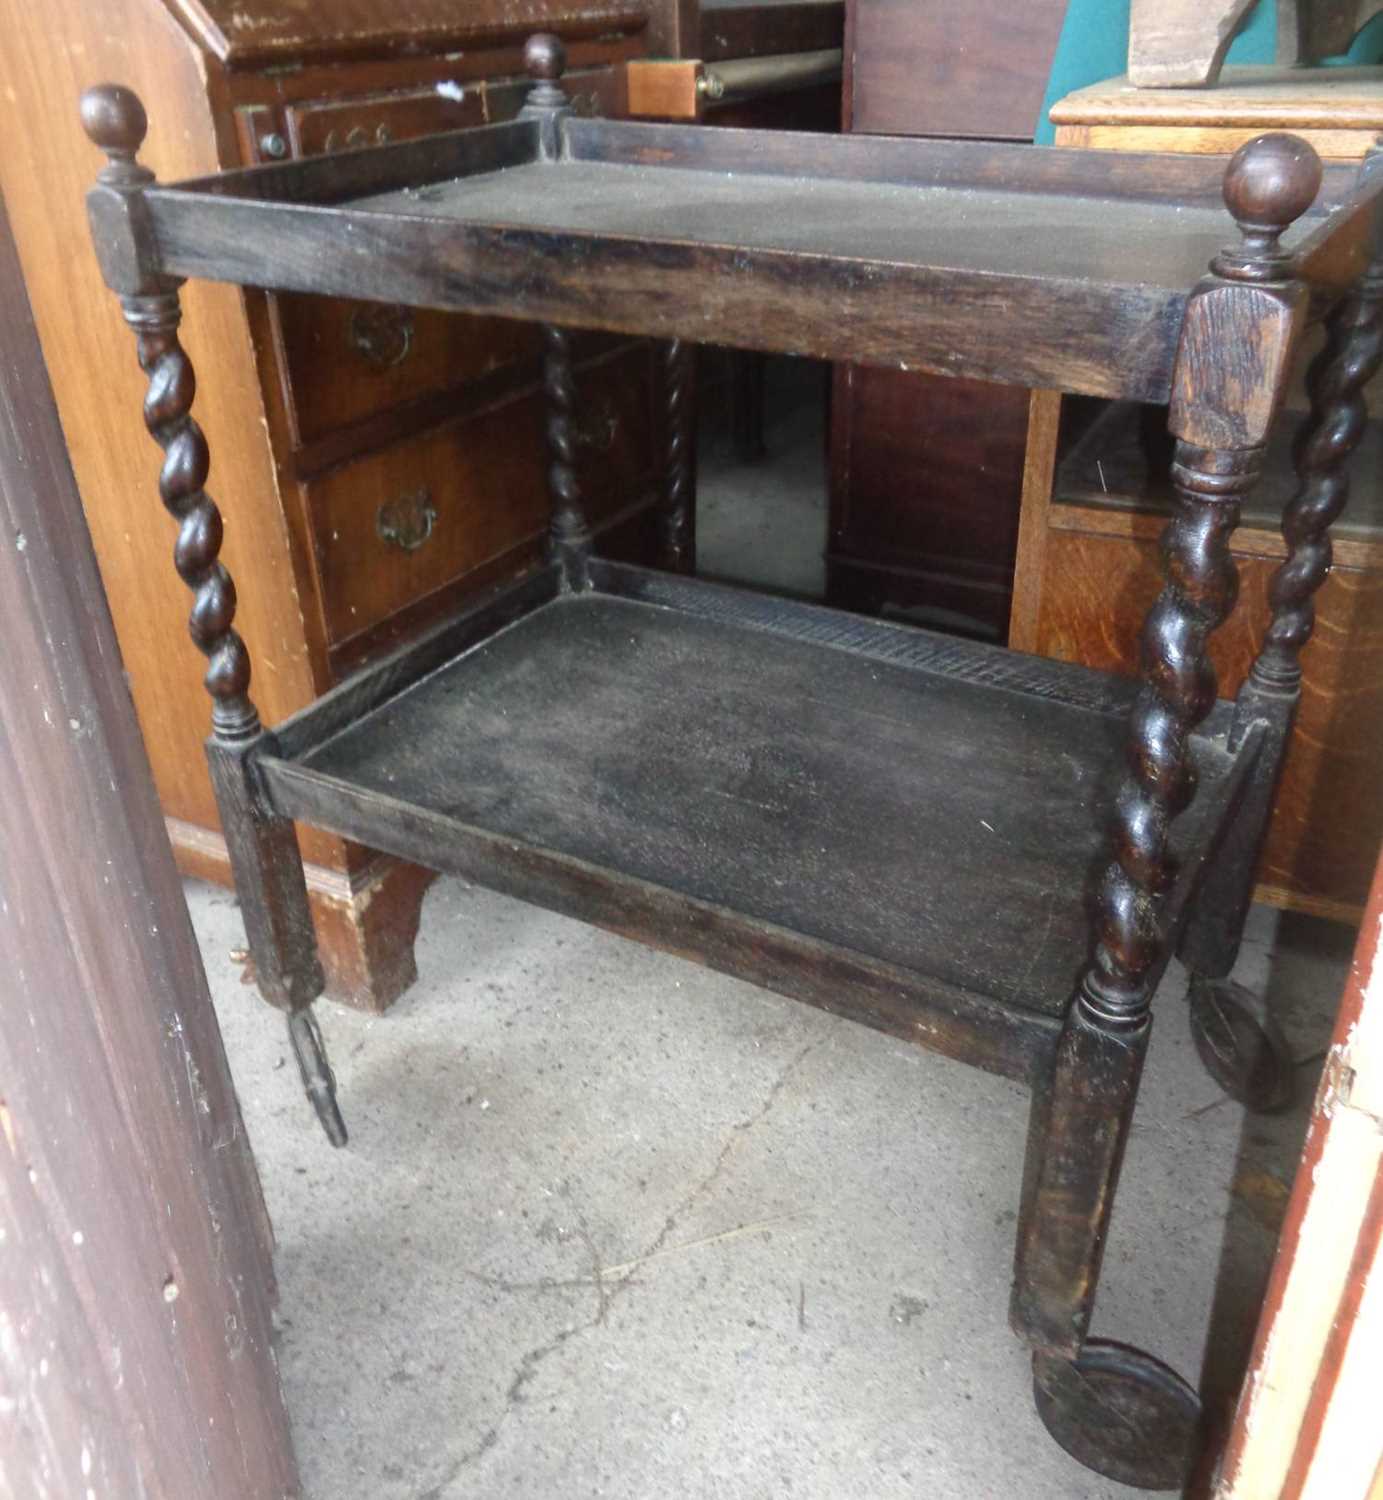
(377, 550)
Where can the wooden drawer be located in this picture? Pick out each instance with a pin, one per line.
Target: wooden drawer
(1328, 820)
(338, 125)
(322, 125)
(396, 525)
(346, 362)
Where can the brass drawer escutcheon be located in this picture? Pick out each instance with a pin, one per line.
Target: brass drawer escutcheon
(598, 426)
(382, 334)
(407, 523)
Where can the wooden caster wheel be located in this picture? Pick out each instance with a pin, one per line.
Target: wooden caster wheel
(1121, 1413)
(1242, 1047)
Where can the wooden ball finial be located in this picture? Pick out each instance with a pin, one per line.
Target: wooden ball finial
(1270, 181)
(545, 57)
(114, 120)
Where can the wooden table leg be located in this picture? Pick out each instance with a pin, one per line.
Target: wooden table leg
(1241, 1045)
(263, 848)
(1240, 328)
(679, 481)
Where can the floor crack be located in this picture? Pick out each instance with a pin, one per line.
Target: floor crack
(737, 1133)
(606, 1291)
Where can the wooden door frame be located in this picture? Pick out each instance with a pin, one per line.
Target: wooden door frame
(1307, 1424)
(135, 1321)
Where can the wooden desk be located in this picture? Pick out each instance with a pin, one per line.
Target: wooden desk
(1092, 509)
(372, 450)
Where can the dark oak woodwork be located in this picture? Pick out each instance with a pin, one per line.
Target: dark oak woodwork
(858, 276)
(115, 121)
(644, 751)
(263, 851)
(570, 536)
(1352, 355)
(679, 493)
(211, 115)
(1088, 562)
(1241, 323)
(1336, 381)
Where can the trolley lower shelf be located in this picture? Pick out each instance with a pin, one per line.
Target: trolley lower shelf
(890, 823)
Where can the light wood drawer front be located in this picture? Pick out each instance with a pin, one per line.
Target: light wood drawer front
(1328, 819)
(396, 525)
(349, 361)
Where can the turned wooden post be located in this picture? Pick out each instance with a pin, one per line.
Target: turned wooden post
(115, 120)
(1335, 382)
(545, 58)
(569, 533)
(679, 471)
(1237, 338)
(1352, 355)
(263, 848)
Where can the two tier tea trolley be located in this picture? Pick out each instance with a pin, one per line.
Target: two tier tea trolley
(985, 853)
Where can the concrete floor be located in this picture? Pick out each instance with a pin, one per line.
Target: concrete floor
(612, 1225)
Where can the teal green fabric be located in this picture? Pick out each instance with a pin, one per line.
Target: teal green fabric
(1094, 46)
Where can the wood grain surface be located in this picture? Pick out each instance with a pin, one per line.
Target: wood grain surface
(978, 69)
(1258, 98)
(45, 172)
(240, 32)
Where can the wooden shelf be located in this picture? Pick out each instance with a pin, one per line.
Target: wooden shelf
(915, 254)
(894, 824)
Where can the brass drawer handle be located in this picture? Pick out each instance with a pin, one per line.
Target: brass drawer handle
(598, 426)
(406, 523)
(356, 137)
(382, 334)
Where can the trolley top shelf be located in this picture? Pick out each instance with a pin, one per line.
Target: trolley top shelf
(1056, 268)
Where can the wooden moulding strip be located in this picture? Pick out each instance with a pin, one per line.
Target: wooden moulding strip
(1148, 526)
(973, 1028)
(897, 315)
(901, 161)
(373, 169)
(906, 646)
